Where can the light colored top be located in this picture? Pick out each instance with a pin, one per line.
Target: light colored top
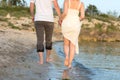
(44, 11)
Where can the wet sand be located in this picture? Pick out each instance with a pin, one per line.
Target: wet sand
(27, 68)
(18, 60)
(13, 44)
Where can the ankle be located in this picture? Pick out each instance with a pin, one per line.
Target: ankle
(40, 57)
(48, 53)
(66, 57)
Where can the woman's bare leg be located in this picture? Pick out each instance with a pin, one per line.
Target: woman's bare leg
(66, 51)
(72, 53)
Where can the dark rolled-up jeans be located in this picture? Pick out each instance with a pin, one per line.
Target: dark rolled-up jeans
(44, 31)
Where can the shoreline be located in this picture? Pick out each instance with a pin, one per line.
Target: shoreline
(18, 59)
(20, 42)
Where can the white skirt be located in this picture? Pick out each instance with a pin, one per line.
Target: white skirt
(71, 29)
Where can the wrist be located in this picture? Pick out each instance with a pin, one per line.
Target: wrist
(59, 16)
(32, 16)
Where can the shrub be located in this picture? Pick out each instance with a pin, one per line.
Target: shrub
(12, 26)
(112, 28)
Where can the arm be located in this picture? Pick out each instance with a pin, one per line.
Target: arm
(57, 8)
(64, 12)
(82, 11)
(32, 10)
(65, 9)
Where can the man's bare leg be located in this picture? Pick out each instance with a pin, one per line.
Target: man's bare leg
(40, 58)
(48, 53)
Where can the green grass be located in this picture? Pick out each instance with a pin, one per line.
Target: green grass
(12, 26)
(102, 19)
(3, 12)
(112, 28)
(98, 26)
(15, 11)
(89, 19)
(3, 19)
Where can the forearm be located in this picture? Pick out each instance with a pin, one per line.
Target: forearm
(32, 9)
(63, 16)
(82, 17)
(57, 8)
(58, 11)
(82, 11)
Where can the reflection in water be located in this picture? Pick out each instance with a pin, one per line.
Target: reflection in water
(106, 48)
(76, 73)
(65, 75)
(96, 61)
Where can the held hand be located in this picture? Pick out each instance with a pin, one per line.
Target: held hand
(32, 18)
(60, 21)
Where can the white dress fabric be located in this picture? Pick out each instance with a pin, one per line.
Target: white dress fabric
(71, 26)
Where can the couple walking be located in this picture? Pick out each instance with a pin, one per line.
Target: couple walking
(70, 21)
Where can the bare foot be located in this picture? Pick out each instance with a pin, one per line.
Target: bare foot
(69, 66)
(66, 63)
(48, 59)
(40, 62)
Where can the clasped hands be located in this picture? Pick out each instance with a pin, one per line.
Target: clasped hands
(60, 21)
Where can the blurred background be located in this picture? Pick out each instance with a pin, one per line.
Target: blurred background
(99, 42)
(101, 22)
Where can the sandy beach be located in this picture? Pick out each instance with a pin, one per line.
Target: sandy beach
(14, 44)
(18, 59)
